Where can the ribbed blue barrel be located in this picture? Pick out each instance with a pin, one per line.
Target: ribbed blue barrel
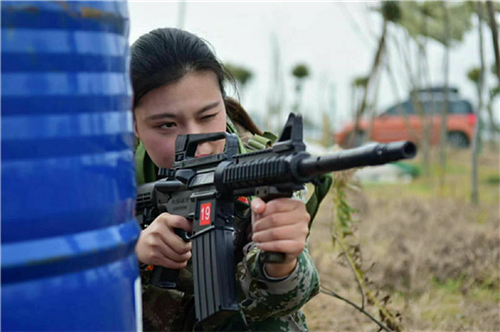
(68, 183)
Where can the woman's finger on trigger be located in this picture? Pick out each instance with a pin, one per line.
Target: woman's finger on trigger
(168, 235)
(176, 221)
(258, 206)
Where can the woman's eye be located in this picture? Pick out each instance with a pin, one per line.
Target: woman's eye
(208, 117)
(167, 125)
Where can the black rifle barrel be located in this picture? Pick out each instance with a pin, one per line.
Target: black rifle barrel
(369, 155)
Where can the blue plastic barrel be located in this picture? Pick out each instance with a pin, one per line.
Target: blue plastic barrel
(67, 174)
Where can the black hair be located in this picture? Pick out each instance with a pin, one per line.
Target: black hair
(165, 55)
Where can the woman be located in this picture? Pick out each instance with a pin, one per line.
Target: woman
(179, 89)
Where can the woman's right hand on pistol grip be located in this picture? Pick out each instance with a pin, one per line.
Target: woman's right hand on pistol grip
(159, 245)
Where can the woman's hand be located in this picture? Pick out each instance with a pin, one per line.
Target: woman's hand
(280, 225)
(159, 245)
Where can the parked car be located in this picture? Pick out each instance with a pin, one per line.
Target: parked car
(402, 122)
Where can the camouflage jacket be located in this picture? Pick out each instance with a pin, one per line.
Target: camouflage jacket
(266, 304)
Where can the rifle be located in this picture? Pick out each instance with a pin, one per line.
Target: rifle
(204, 190)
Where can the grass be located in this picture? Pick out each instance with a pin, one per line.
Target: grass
(434, 253)
(450, 286)
(457, 177)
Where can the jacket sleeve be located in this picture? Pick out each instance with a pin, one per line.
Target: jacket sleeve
(263, 297)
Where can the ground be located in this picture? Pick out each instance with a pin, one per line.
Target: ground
(424, 244)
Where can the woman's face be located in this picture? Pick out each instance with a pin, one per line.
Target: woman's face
(192, 105)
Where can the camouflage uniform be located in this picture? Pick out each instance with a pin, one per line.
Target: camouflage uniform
(266, 304)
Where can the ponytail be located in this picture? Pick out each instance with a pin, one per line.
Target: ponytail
(240, 117)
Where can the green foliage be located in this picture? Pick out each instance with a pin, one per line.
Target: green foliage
(361, 81)
(493, 69)
(427, 19)
(474, 74)
(450, 285)
(494, 92)
(391, 11)
(300, 71)
(458, 171)
(493, 179)
(344, 213)
(241, 74)
(342, 227)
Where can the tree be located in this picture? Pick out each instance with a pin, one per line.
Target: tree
(461, 12)
(327, 132)
(241, 74)
(493, 93)
(445, 23)
(480, 84)
(390, 12)
(494, 36)
(444, 111)
(418, 16)
(300, 72)
(358, 88)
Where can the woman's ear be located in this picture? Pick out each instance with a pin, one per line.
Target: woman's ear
(136, 132)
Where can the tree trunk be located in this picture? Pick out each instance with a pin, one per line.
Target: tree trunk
(444, 114)
(298, 95)
(494, 35)
(475, 141)
(494, 128)
(413, 84)
(426, 119)
(373, 71)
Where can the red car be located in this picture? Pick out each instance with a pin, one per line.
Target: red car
(393, 125)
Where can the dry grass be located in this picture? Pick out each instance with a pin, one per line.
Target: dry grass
(432, 251)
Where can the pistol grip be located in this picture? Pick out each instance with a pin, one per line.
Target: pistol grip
(164, 278)
(268, 193)
(167, 278)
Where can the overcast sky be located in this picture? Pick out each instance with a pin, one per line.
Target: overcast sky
(336, 39)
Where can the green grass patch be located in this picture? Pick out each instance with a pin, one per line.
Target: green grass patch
(450, 286)
(442, 306)
(485, 294)
(493, 179)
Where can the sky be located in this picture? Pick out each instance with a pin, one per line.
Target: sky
(337, 40)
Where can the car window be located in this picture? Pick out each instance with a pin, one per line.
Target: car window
(461, 107)
(431, 107)
(398, 109)
(454, 107)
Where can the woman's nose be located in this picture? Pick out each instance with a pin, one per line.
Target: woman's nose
(203, 149)
(193, 128)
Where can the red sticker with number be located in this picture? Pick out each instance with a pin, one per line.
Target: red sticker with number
(205, 214)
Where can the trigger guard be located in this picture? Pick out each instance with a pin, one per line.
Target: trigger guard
(184, 235)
